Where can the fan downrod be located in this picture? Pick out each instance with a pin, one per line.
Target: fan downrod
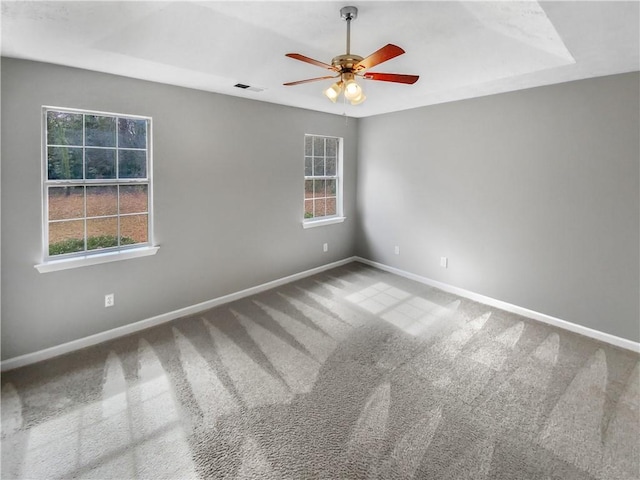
(348, 14)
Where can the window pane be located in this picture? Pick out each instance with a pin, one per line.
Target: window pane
(319, 207)
(132, 133)
(132, 164)
(318, 188)
(66, 202)
(331, 205)
(64, 163)
(102, 233)
(318, 146)
(331, 188)
(308, 145)
(66, 237)
(308, 209)
(64, 128)
(134, 198)
(133, 229)
(318, 166)
(308, 188)
(100, 131)
(308, 166)
(331, 167)
(101, 163)
(332, 147)
(102, 201)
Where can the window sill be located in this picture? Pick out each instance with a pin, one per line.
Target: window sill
(324, 221)
(95, 259)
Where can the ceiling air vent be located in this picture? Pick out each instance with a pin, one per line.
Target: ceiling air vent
(248, 87)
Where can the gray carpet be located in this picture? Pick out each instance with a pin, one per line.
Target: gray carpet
(350, 374)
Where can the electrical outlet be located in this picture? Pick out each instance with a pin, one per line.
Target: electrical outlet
(325, 247)
(109, 300)
(444, 262)
(396, 250)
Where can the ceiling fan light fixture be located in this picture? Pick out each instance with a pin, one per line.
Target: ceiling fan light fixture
(352, 90)
(333, 92)
(359, 99)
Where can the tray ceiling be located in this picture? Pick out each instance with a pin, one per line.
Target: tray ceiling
(459, 49)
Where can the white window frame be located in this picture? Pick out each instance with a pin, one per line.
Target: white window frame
(339, 215)
(102, 255)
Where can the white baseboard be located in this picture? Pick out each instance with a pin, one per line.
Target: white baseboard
(114, 333)
(73, 345)
(556, 322)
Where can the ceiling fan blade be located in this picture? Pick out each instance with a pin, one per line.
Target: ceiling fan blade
(391, 77)
(302, 58)
(387, 52)
(309, 80)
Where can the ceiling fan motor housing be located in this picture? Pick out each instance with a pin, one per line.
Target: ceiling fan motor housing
(347, 62)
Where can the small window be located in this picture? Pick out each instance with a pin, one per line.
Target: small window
(322, 178)
(96, 182)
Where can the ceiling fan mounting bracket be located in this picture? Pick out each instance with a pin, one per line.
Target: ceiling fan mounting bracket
(349, 13)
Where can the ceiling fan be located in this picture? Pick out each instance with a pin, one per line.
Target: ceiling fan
(350, 66)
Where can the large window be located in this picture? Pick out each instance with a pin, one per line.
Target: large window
(322, 178)
(97, 182)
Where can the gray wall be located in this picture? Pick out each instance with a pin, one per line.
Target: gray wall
(532, 195)
(228, 203)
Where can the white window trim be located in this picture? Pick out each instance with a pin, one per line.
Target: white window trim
(56, 263)
(95, 259)
(339, 216)
(322, 222)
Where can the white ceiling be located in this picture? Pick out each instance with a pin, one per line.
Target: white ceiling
(459, 49)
